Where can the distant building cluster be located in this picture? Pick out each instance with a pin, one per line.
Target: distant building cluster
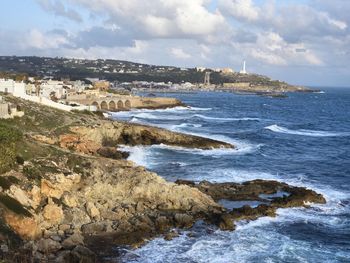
(55, 93)
(223, 70)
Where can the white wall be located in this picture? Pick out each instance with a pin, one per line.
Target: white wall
(7, 85)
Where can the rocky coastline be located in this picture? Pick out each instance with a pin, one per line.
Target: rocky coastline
(71, 195)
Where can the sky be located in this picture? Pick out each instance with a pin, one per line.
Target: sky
(304, 42)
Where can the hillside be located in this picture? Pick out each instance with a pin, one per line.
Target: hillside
(124, 71)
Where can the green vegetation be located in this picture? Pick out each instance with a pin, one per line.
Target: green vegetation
(9, 139)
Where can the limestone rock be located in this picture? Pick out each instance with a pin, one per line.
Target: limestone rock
(184, 220)
(58, 184)
(92, 210)
(75, 142)
(94, 228)
(36, 196)
(25, 227)
(20, 195)
(53, 214)
(69, 200)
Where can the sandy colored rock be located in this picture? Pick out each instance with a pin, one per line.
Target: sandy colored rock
(58, 184)
(53, 214)
(92, 210)
(20, 195)
(69, 200)
(75, 142)
(44, 139)
(26, 227)
(35, 196)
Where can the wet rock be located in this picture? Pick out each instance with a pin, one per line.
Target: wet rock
(79, 255)
(113, 153)
(163, 223)
(248, 213)
(226, 222)
(184, 220)
(171, 235)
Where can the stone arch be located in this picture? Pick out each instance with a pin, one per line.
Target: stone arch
(104, 105)
(111, 105)
(127, 104)
(120, 104)
(95, 103)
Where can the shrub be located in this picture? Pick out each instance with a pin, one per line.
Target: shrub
(9, 138)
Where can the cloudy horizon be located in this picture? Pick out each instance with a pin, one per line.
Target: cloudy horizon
(303, 42)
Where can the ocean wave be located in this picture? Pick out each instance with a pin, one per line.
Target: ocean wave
(224, 119)
(302, 132)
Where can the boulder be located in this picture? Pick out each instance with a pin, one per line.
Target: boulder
(53, 214)
(184, 220)
(69, 200)
(48, 245)
(20, 195)
(92, 210)
(73, 240)
(25, 227)
(94, 228)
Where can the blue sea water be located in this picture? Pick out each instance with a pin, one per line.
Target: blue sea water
(303, 140)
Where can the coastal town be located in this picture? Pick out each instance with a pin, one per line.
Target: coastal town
(77, 95)
(101, 88)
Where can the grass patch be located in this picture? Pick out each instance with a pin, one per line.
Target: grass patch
(9, 139)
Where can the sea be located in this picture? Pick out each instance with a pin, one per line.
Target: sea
(303, 140)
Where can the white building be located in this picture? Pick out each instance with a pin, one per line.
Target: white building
(200, 69)
(10, 86)
(49, 87)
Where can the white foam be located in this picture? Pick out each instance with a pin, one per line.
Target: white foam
(224, 119)
(138, 154)
(302, 132)
(232, 175)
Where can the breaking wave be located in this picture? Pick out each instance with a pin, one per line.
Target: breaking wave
(302, 132)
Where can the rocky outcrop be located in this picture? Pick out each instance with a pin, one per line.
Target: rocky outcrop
(271, 194)
(111, 134)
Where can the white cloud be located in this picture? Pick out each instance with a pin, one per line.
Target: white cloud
(179, 53)
(240, 9)
(160, 18)
(39, 40)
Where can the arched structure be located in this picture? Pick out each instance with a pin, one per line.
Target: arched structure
(95, 103)
(120, 104)
(104, 105)
(127, 104)
(111, 105)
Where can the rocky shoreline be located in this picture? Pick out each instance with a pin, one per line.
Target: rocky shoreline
(72, 196)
